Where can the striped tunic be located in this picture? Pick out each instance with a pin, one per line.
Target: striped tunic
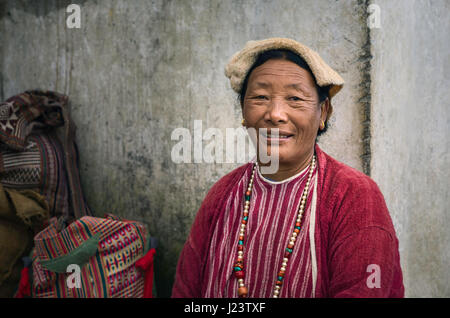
(272, 215)
(346, 228)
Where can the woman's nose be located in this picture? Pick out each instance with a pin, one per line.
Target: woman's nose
(276, 112)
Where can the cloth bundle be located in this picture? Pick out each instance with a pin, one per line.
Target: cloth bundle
(38, 151)
(38, 162)
(112, 257)
(40, 185)
(21, 213)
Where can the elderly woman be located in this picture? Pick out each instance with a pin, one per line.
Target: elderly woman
(315, 227)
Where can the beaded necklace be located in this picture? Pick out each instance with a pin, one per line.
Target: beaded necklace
(239, 265)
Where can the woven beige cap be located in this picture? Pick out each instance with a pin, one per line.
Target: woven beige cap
(241, 62)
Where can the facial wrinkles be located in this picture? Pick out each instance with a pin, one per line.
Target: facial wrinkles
(278, 77)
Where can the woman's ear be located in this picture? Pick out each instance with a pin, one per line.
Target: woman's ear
(325, 111)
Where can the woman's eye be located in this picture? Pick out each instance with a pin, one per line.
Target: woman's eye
(295, 98)
(261, 97)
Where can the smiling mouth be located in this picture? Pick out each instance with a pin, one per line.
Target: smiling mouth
(280, 136)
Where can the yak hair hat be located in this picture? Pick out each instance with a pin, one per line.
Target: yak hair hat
(241, 62)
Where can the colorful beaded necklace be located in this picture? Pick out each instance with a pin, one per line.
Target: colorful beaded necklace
(239, 265)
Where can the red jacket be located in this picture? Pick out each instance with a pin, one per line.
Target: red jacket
(356, 246)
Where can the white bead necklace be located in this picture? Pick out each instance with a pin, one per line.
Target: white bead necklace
(239, 265)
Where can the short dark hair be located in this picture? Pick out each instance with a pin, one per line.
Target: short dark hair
(287, 55)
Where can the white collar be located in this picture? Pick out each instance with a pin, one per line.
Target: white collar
(282, 181)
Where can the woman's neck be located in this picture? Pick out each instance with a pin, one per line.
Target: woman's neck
(286, 171)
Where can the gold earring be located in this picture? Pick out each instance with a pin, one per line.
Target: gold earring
(322, 125)
(243, 122)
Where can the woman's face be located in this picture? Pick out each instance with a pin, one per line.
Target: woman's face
(280, 94)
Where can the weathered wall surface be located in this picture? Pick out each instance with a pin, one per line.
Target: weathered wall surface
(137, 70)
(410, 136)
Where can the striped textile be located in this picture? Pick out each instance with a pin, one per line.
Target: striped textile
(38, 151)
(40, 167)
(110, 271)
(273, 211)
(29, 111)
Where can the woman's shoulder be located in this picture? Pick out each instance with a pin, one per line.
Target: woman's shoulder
(225, 183)
(352, 196)
(214, 199)
(337, 174)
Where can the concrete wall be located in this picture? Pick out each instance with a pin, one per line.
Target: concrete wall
(137, 70)
(410, 136)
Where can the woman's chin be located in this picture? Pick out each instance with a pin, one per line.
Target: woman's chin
(281, 150)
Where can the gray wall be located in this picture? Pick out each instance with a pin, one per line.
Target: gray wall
(137, 70)
(410, 136)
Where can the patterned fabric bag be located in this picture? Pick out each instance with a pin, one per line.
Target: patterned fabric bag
(39, 158)
(105, 251)
(38, 151)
